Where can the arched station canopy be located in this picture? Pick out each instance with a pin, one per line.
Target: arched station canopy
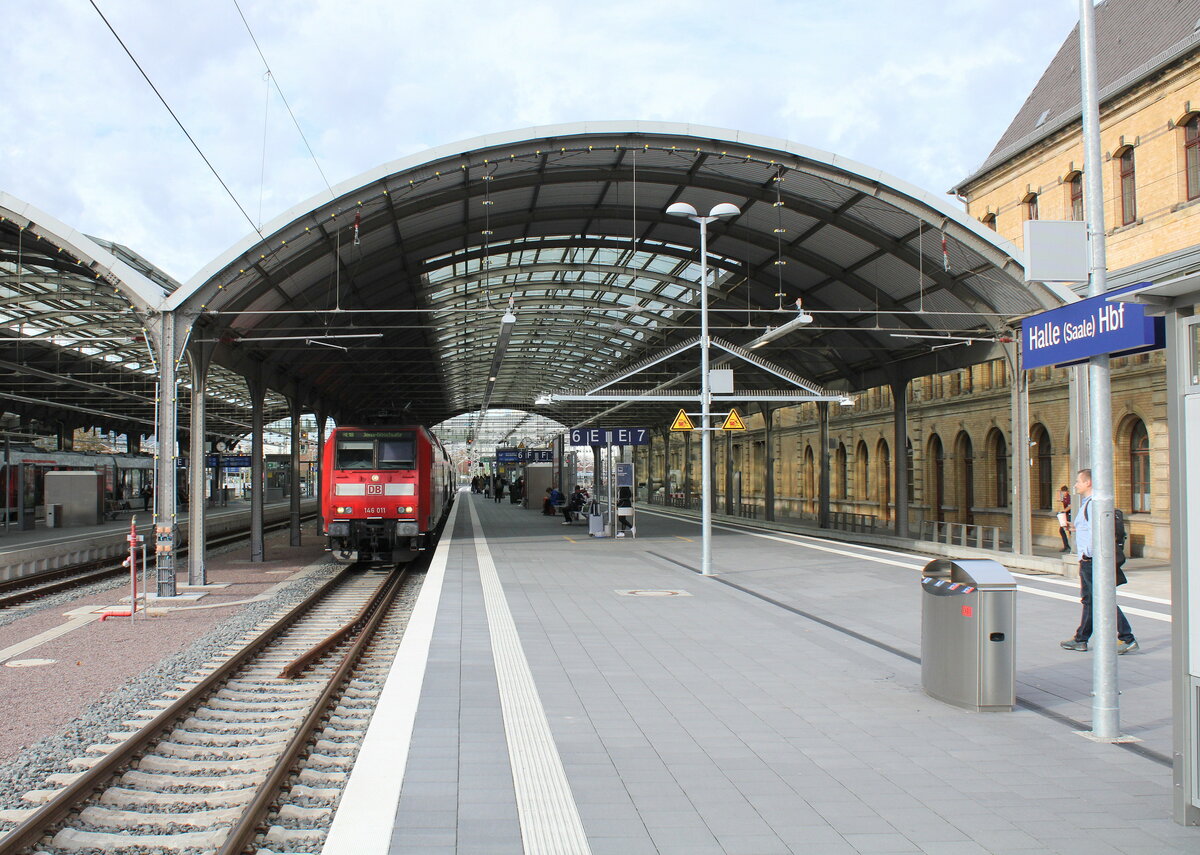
(386, 300)
(73, 312)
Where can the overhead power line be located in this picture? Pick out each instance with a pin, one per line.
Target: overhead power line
(207, 163)
(279, 89)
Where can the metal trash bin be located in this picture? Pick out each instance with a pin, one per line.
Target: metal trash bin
(968, 625)
(54, 516)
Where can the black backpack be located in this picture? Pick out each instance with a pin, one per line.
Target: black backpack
(1118, 534)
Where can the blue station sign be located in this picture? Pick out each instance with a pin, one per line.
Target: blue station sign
(610, 436)
(1089, 328)
(228, 461)
(510, 456)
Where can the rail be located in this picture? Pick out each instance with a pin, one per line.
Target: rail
(34, 585)
(243, 832)
(31, 829)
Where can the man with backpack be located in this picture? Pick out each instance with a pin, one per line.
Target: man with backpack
(1083, 543)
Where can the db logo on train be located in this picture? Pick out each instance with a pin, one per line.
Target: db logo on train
(375, 489)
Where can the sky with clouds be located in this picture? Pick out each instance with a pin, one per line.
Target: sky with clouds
(920, 89)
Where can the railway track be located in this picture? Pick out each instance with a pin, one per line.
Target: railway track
(15, 592)
(252, 756)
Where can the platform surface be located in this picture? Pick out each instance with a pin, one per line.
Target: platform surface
(687, 715)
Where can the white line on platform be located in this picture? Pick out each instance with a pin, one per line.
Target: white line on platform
(550, 823)
(1074, 583)
(808, 542)
(367, 812)
(1054, 595)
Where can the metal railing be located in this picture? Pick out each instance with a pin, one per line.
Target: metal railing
(962, 534)
(846, 521)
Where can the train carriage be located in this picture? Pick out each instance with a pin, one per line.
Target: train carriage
(385, 492)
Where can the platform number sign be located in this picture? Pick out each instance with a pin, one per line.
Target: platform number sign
(610, 436)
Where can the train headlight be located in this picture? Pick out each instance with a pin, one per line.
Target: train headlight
(339, 529)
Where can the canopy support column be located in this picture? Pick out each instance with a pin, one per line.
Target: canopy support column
(294, 475)
(65, 436)
(729, 504)
(258, 393)
(320, 481)
(900, 455)
(1022, 503)
(823, 486)
(199, 359)
(666, 467)
(768, 463)
(687, 469)
(165, 328)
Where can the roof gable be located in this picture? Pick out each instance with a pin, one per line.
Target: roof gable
(1134, 38)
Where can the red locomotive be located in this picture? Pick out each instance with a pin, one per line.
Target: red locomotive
(385, 492)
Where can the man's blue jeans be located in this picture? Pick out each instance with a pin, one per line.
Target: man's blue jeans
(1124, 631)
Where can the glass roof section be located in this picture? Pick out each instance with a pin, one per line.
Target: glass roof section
(74, 342)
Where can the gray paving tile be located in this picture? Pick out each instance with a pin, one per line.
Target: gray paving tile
(409, 840)
(622, 846)
(413, 819)
(720, 708)
(760, 844)
(880, 843)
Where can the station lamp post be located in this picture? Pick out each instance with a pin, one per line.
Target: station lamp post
(719, 211)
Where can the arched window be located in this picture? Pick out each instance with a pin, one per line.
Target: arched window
(1191, 152)
(1043, 453)
(839, 472)
(1031, 206)
(862, 487)
(1139, 468)
(1128, 186)
(1075, 195)
(989, 220)
(964, 450)
(937, 459)
(998, 451)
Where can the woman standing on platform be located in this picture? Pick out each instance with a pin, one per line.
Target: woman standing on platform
(1064, 517)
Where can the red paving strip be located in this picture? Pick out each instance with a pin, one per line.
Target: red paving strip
(39, 700)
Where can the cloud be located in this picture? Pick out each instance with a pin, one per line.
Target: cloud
(921, 90)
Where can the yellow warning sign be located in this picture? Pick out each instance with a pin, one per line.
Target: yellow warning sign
(733, 422)
(682, 422)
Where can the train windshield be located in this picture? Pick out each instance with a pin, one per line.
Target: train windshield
(398, 452)
(355, 454)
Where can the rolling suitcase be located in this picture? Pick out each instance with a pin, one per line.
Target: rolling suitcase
(596, 522)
